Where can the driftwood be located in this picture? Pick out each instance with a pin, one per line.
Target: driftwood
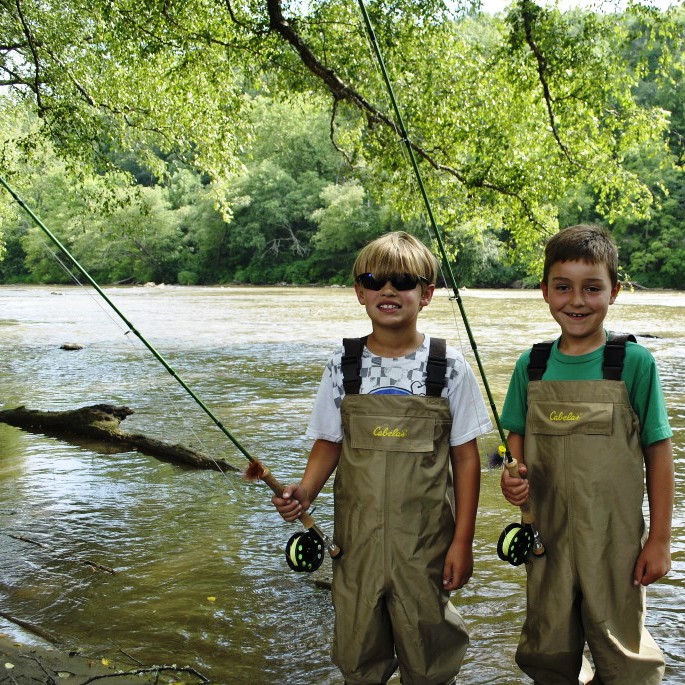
(101, 422)
(55, 662)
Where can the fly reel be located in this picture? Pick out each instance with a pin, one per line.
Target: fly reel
(515, 543)
(304, 551)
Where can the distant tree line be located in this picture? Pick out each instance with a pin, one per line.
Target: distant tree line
(523, 123)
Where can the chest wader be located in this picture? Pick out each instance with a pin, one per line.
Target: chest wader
(394, 519)
(585, 466)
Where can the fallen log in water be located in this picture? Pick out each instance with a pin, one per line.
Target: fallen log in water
(101, 422)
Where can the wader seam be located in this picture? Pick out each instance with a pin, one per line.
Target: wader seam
(387, 554)
(568, 503)
(570, 508)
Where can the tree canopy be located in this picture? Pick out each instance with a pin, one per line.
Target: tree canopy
(280, 115)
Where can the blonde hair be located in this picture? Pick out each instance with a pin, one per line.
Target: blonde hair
(583, 242)
(396, 252)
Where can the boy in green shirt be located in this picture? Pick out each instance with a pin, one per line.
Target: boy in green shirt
(583, 444)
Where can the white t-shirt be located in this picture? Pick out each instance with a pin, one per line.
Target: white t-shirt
(401, 376)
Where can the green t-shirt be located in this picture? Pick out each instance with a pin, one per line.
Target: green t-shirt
(639, 374)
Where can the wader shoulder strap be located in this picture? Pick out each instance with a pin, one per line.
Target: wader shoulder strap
(437, 367)
(352, 363)
(538, 359)
(614, 354)
(612, 366)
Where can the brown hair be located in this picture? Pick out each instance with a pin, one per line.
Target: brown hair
(583, 242)
(396, 252)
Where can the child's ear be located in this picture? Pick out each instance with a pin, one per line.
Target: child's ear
(543, 287)
(614, 292)
(427, 294)
(360, 293)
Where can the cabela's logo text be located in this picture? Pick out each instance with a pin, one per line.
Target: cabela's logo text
(387, 432)
(560, 416)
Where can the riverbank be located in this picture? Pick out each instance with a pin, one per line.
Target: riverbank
(23, 663)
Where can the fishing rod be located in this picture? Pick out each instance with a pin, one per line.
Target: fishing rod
(304, 550)
(517, 541)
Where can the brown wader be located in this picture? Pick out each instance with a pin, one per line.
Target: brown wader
(585, 465)
(395, 521)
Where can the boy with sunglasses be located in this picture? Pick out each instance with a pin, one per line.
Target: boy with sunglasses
(396, 416)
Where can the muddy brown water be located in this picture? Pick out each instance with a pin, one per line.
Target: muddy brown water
(201, 578)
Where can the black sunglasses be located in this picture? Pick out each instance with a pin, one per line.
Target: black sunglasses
(398, 281)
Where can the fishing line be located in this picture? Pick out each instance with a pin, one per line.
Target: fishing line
(144, 359)
(510, 463)
(402, 151)
(484, 440)
(256, 469)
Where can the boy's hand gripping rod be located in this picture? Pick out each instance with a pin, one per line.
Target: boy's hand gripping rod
(304, 551)
(518, 540)
(526, 533)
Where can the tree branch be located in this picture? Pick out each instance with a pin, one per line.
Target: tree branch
(528, 15)
(36, 82)
(342, 91)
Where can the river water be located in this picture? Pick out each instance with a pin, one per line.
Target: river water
(201, 578)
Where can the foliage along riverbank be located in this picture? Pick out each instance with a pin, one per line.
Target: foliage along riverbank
(169, 160)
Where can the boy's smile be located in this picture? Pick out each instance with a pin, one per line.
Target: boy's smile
(579, 294)
(390, 301)
(395, 310)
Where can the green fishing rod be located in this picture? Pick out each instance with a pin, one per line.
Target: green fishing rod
(516, 542)
(304, 550)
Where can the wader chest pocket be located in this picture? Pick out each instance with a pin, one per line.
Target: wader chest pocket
(408, 434)
(565, 418)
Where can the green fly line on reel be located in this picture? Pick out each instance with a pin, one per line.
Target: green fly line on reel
(304, 551)
(515, 543)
